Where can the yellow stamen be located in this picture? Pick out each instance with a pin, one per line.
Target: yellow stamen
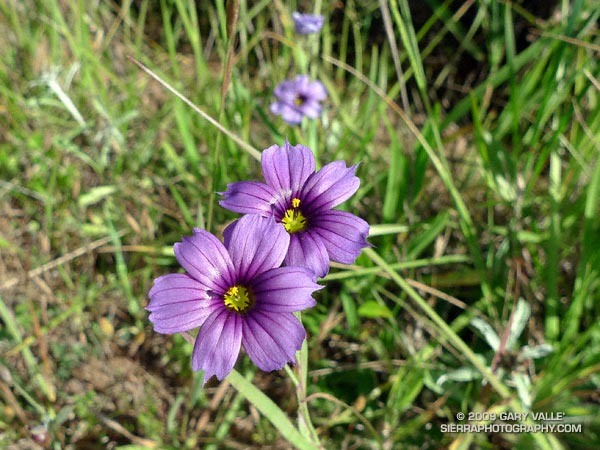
(238, 298)
(299, 101)
(294, 220)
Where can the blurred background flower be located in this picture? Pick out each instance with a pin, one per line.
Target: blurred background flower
(298, 98)
(307, 23)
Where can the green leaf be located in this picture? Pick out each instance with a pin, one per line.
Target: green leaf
(383, 229)
(520, 319)
(95, 194)
(539, 351)
(374, 310)
(522, 383)
(487, 331)
(350, 310)
(463, 374)
(432, 230)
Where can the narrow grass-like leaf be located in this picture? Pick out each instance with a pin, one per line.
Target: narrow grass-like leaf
(30, 361)
(389, 31)
(171, 425)
(350, 311)
(407, 385)
(396, 182)
(373, 310)
(405, 265)
(189, 18)
(183, 206)
(514, 97)
(543, 441)
(383, 229)
(95, 195)
(228, 420)
(133, 305)
(247, 147)
(587, 280)
(449, 334)
(495, 80)
(438, 160)
(403, 21)
(271, 411)
(552, 320)
(423, 240)
(452, 24)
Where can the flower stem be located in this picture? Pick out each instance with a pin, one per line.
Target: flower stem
(304, 421)
(271, 411)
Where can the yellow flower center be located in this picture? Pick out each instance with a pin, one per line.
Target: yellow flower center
(299, 100)
(238, 298)
(294, 220)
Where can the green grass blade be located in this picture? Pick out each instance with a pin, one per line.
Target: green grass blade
(404, 23)
(271, 411)
(552, 320)
(588, 279)
(544, 442)
(448, 333)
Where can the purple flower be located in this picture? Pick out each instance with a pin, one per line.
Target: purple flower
(238, 295)
(298, 98)
(301, 200)
(307, 23)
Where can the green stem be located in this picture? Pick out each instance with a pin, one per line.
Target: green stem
(271, 411)
(304, 421)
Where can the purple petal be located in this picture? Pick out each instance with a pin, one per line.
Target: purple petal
(315, 90)
(286, 289)
(343, 234)
(311, 109)
(307, 250)
(301, 83)
(251, 197)
(333, 184)
(228, 231)
(205, 258)
(218, 344)
(287, 112)
(256, 244)
(179, 303)
(287, 90)
(307, 23)
(272, 339)
(286, 168)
